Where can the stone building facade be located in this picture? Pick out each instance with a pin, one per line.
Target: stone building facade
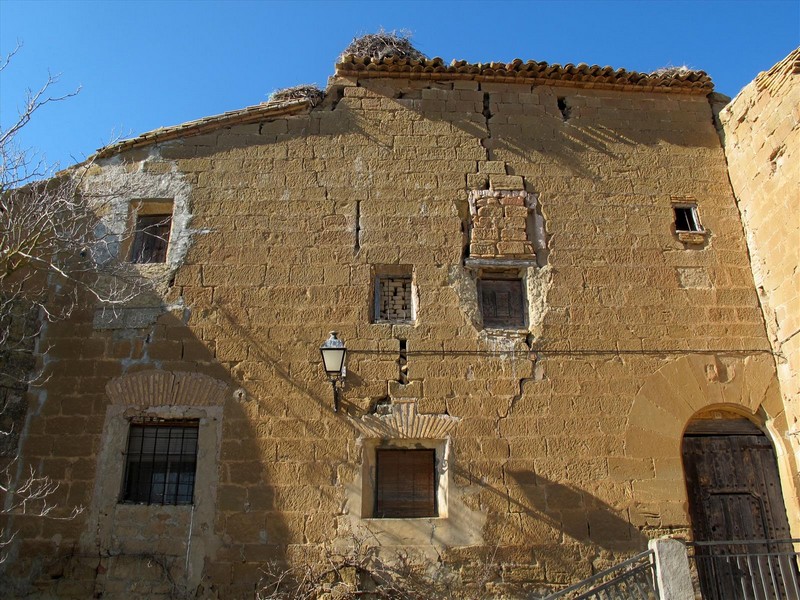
(762, 141)
(543, 283)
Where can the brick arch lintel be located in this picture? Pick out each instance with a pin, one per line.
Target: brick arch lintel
(146, 389)
(693, 384)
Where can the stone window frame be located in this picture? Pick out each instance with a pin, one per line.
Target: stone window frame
(164, 396)
(380, 272)
(402, 427)
(159, 395)
(399, 424)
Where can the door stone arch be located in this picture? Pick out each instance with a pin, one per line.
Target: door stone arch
(666, 404)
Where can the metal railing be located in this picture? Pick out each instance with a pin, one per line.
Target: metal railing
(633, 579)
(747, 569)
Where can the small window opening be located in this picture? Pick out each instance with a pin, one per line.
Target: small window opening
(405, 483)
(357, 232)
(502, 302)
(160, 462)
(564, 108)
(402, 361)
(686, 219)
(151, 238)
(393, 297)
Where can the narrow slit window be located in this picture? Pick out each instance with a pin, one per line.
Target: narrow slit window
(151, 239)
(161, 462)
(564, 108)
(402, 362)
(405, 483)
(686, 219)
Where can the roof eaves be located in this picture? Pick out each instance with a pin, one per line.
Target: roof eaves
(243, 116)
(532, 73)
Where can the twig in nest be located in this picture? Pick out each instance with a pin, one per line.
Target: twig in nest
(672, 70)
(298, 92)
(384, 43)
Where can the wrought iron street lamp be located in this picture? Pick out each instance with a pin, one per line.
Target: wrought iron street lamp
(333, 353)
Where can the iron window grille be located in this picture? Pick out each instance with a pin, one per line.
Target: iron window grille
(160, 462)
(151, 239)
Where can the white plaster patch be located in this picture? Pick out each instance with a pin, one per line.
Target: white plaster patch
(539, 282)
(467, 290)
(115, 187)
(693, 277)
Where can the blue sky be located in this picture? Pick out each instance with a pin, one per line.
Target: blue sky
(143, 65)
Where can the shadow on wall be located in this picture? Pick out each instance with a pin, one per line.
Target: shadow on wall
(136, 549)
(249, 530)
(580, 516)
(563, 126)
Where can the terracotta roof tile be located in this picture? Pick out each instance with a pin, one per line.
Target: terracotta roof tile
(532, 72)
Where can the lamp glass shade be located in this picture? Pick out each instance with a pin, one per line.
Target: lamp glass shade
(333, 352)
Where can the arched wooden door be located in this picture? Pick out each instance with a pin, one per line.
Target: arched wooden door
(735, 496)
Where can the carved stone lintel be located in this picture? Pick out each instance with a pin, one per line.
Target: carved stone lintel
(403, 422)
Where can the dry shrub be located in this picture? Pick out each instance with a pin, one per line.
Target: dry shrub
(361, 570)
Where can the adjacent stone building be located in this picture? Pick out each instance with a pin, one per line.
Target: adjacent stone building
(542, 279)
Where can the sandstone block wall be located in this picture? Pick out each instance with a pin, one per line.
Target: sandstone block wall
(559, 444)
(761, 132)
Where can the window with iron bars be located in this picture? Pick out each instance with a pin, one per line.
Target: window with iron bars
(160, 462)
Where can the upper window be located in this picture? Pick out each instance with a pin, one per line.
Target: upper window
(160, 462)
(405, 483)
(686, 218)
(502, 302)
(151, 238)
(394, 295)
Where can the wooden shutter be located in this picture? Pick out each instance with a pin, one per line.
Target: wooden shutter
(151, 239)
(501, 303)
(406, 483)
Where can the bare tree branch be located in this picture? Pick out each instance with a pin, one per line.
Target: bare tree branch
(56, 254)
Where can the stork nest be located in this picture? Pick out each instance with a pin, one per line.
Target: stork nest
(672, 70)
(384, 43)
(299, 92)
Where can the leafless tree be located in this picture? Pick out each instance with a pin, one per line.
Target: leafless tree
(53, 257)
